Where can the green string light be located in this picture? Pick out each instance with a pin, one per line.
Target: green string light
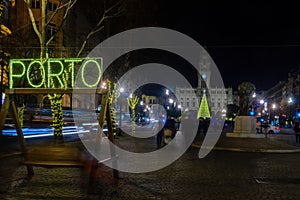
(132, 102)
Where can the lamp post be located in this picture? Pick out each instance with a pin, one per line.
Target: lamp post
(2, 74)
(290, 103)
(274, 107)
(261, 113)
(120, 119)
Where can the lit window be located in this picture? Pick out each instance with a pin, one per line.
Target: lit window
(35, 4)
(51, 6)
(51, 30)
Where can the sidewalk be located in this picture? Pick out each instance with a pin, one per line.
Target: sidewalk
(275, 143)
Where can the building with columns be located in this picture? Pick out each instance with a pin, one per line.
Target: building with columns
(218, 98)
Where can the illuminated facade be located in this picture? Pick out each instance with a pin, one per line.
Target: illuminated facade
(218, 98)
(22, 26)
(26, 43)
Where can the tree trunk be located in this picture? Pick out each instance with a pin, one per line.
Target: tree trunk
(57, 115)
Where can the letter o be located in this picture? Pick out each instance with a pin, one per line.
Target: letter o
(82, 74)
(43, 74)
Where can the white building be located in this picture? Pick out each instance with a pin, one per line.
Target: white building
(187, 98)
(218, 98)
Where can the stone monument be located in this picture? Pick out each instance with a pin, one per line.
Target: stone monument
(245, 125)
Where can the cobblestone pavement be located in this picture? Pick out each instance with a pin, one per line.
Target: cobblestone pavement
(220, 175)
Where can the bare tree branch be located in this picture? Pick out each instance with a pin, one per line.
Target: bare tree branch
(32, 19)
(86, 40)
(106, 15)
(56, 11)
(69, 5)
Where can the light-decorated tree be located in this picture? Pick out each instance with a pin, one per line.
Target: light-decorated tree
(111, 101)
(64, 7)
(204, 108)
(4, 30)
(132, 102)
(4, 56)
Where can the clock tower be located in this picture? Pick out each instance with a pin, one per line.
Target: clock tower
(205, 72)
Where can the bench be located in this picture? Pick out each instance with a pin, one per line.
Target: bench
(55, 155)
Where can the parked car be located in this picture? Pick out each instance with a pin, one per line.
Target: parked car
(268, 128)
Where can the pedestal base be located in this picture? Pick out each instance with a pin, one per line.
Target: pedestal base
(245, 135)
(245, 127)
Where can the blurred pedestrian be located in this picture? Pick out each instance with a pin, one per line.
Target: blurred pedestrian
(170, 124)
(160, 132)
(297, 132)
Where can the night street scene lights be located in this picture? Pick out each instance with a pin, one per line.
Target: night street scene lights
(290, 100)
(121, 91)
(171, 104)
(167, 92)
(104, 85)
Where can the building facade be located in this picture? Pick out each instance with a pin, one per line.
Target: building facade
(22, 27)
(283, 98)
(218, 98)
(26, 43)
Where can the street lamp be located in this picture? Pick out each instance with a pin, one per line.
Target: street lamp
(261, 102)
(121, 90)
(273, 116)
(167, 92)
(2, 74)
(290, 102)
(104, 85)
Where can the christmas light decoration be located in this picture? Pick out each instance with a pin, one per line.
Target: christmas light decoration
(21, 114)
(203, 109)
(132, 102)
(47, 76)
(111, 100)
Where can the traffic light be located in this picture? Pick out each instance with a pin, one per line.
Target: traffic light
(298, 113)
(252, 113)
(262, 120)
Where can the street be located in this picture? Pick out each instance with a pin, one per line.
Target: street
(220, 175)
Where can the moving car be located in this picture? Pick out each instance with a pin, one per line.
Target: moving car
(268, 128)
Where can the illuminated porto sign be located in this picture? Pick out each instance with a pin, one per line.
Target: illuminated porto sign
(54, 73)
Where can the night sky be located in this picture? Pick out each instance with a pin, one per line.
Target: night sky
(249, 40)
(256, 41)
